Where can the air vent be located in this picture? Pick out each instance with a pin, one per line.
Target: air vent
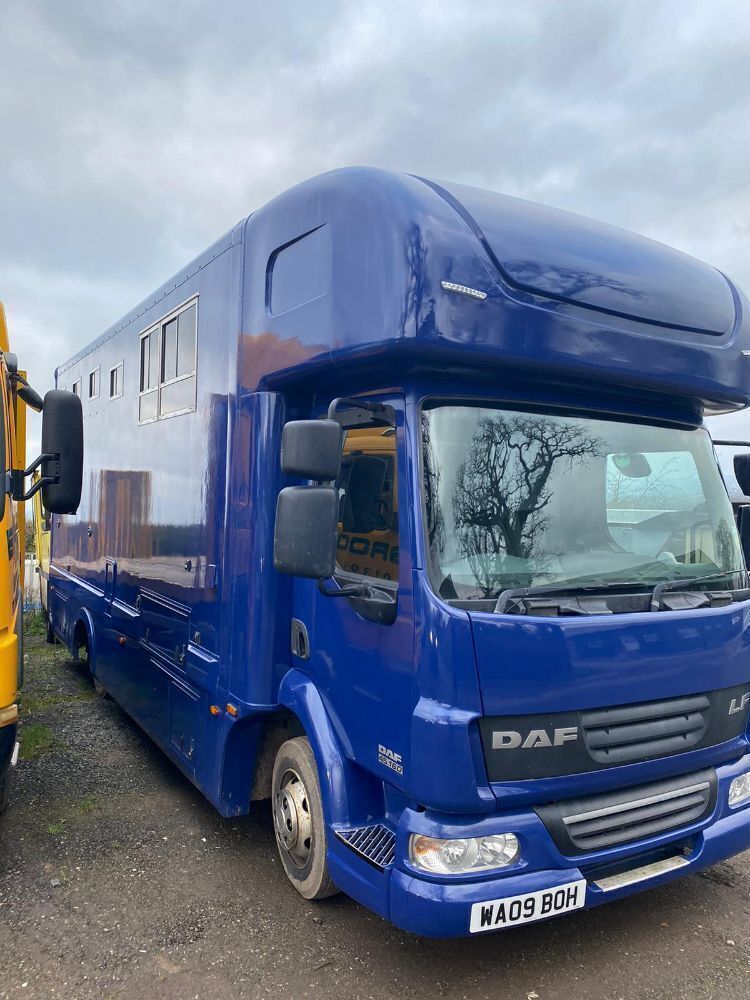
(376, 844)
(612, 819)
(651, 729)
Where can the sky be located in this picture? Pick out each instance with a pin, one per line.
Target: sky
(135, 133)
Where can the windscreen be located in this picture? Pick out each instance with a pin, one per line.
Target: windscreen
(517, 499)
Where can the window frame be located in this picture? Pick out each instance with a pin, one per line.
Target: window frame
(158, 328)
(120, 394)
(98, 372)
(78, 382)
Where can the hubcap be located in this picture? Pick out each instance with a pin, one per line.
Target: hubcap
(292, 819)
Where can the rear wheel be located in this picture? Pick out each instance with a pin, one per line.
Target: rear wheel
(298, 820)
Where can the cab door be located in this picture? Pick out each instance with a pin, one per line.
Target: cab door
(360, 652)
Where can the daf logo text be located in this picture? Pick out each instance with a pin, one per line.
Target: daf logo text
(537, 738)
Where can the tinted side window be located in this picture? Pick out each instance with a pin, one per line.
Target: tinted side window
(368, 525)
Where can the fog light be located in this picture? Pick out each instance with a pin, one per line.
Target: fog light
(470, 854)
(739, 790)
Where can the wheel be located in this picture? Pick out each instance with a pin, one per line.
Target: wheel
(5, 784)
(298, 820)
(83, 656)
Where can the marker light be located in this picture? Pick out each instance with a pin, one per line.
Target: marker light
(457, 857)
(739, 790)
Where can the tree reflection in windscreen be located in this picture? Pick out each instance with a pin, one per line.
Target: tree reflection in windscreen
(503, 490)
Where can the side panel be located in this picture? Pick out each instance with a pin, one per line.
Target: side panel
(144, 554)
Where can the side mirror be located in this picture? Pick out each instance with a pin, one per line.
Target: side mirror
(62, 442)
(311, 449)
(742, 472)
(305, 536)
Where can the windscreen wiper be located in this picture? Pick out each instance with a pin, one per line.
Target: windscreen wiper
(508, 597)
(689, 582)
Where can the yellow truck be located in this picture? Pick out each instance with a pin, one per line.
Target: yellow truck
(58, 485)
(41, 545)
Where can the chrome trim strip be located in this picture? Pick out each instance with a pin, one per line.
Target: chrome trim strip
(636, 803)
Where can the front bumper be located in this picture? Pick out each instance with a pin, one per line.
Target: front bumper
(442, 908)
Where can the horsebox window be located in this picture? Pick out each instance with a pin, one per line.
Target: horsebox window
(168, 361)
(115, 381)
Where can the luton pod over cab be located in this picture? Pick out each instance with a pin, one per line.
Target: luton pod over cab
(399, 510)
(57, 485)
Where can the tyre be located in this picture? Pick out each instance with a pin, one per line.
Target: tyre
(83, 656)
(298, 819)
(6, 784)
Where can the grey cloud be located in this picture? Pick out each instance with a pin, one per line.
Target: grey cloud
(135, 133)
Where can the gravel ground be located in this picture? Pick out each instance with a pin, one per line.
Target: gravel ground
(118, 880)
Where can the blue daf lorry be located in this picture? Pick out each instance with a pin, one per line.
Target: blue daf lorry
(399, 511)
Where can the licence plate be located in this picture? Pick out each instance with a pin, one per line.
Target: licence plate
(529, 906)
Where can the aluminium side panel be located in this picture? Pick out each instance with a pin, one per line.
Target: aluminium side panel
(140, 567)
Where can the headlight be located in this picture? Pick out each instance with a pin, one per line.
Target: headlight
(739, 790)
(456, 857)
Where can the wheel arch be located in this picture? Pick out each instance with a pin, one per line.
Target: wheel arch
(84, 632)
(349, 792)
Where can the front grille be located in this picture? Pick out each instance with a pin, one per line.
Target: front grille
(376, 844)
(548, 744)
(640, 732)
(596, 822)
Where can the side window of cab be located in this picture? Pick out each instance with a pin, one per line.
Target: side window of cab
(368, 513)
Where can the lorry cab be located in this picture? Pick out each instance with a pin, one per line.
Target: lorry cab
(551, 686)
(413, 526)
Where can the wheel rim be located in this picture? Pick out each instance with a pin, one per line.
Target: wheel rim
(292, 819)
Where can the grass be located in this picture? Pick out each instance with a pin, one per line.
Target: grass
(31, 703)
(34, 624)
(83, 807)
(87, 805)
(35, 739)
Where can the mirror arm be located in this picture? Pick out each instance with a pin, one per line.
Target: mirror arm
(16, 485)
(44, 457)
(14, 482)
(30, 396)
(350, 590)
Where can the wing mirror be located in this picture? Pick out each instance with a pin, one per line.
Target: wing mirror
(61, 461)
(311, 449)
(304, 542)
